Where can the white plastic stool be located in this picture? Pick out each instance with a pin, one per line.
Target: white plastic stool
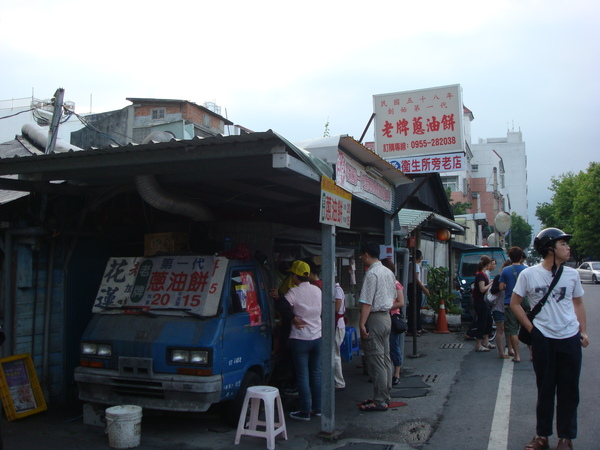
(269, 395)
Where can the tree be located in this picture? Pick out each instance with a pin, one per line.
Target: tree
(458, 208)
(326, 132)
(575, 209)
(586, 212)
(520, 231)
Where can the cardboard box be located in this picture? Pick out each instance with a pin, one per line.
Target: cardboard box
(165, 243)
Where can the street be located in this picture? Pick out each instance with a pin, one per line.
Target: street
(475, 402)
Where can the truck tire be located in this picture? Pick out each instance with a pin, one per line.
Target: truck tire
(233, 408)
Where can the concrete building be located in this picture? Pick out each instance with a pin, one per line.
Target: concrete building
(508, 154)
(494, 179)
(132, 124)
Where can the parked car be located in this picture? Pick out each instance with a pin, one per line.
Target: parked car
(590, 271)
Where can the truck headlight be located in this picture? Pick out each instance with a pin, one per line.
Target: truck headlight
(188, 356)
(96, 349)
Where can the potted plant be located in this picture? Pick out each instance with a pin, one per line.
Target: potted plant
(438, 284)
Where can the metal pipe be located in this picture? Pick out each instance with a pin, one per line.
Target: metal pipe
(47, 313)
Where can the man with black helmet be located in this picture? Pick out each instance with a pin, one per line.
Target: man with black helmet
(558, 333)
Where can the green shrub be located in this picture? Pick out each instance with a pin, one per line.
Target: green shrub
(439, 289)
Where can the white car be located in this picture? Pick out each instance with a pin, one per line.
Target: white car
(590, 271)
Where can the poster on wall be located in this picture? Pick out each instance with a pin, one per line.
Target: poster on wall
(19, 387)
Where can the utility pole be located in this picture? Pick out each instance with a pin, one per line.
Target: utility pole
(58, 106)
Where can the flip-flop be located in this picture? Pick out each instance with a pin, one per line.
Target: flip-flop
(503, 356)
(482, 349)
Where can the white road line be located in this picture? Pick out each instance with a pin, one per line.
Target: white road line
(499, 431)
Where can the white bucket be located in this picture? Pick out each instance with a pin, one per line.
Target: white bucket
(124, 426)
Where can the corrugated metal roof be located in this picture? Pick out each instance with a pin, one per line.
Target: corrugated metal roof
(409, 219)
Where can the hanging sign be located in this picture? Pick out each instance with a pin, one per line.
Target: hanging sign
(336, 204)
(354, 178)
(421, 122)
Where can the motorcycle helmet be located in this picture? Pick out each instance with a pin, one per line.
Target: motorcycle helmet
(546, 238)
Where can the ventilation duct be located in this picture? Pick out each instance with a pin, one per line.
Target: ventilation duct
(160, 198)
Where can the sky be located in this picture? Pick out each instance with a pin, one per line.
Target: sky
(528, 65)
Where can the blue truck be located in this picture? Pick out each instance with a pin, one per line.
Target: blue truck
(178, 333)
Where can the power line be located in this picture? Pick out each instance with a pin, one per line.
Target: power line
(16, 114)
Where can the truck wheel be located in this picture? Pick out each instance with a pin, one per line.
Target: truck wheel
(233, 408)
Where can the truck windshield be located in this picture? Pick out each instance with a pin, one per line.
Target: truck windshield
(165, 285)
(469, 264)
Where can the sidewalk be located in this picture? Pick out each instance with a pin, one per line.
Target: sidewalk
(438, 363)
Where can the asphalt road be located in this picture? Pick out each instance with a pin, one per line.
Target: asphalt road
(488, 411)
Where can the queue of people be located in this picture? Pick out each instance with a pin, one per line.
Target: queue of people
(558, 331)
(298, 301)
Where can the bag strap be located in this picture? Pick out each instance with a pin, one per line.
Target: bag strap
(538, 307)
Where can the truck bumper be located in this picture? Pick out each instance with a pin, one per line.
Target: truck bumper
(161, 392)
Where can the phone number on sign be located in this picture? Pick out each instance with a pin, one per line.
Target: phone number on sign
(433, 142)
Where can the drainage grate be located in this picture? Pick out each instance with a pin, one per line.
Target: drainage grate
(430, 378)
(451, 345)
(367, 446)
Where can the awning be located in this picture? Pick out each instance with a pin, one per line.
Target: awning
(409, 219)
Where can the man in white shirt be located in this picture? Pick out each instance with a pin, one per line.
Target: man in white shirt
(376, 299)
(558, 333)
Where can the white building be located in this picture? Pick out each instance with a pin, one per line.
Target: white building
(509, 153)
(494, 178)
(16, 112)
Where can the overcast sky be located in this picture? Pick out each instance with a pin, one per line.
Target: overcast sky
(529, 65)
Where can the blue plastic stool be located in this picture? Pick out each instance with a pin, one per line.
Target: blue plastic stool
(349, 344)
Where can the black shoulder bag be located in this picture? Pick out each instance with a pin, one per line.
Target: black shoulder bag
(524, 335)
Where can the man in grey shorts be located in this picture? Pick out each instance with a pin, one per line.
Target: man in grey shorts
(508, 279)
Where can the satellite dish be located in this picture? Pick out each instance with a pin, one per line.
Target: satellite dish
(492, 241)
(502, 222)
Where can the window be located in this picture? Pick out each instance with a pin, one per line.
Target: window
(450, 183)
(158, 113)
(475, 167)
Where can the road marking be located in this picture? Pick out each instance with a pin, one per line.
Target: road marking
(499, 431)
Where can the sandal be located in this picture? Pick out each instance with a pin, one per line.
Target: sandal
(366, 402)
(490, 346)
(482, 349)
(538, 443)
(503, 356)
(564, 444)
(374, 407)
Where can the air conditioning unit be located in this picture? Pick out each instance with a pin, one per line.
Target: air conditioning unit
(475, 195)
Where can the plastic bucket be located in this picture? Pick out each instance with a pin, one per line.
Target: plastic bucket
(124, 426)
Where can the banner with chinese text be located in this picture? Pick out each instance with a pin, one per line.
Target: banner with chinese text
(353, 177)
(427, 164)
(192, 283)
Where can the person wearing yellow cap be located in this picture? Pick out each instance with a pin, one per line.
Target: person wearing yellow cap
(305, 340)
